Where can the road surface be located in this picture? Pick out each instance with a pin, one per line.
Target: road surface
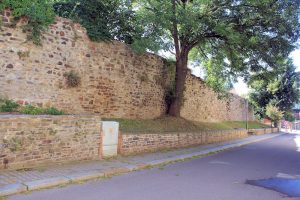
(217, 177)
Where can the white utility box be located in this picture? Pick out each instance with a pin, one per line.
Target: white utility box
(110, 134)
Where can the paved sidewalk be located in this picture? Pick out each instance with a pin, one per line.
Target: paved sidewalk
(12, 182)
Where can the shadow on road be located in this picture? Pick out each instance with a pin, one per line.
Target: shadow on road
(290, 187)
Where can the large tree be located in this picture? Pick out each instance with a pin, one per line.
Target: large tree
(275, 88)
(236, 37)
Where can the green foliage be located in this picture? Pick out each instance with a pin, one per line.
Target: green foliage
(53, 111)
(274, 113)
(230, 38)
(289, 116)
(275, 87)
(32, 110)
(40, 15)
(72, 79)
(104, 20)
(214, 78)
(8, 106)
(11, 106)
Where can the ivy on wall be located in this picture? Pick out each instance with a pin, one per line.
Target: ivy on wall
(40, 15)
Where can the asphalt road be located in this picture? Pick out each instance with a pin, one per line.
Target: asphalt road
(218, 177)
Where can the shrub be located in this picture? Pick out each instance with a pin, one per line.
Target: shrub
(53, 111)
(31, 110)
(72, 79)
(274, 114)
(288, 116)
(8, 106)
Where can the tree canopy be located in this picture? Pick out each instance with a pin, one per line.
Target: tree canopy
(104, 20)
(278, 89)
(231, 38)
(40, 15)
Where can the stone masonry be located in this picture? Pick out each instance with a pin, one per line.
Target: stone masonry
(115, 81)
(202, 104)
(28, 141)
(141, 143)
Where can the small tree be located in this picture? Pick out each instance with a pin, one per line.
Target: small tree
(277, 87)
(274, 114)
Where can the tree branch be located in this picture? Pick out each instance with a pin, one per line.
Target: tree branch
(175, 30)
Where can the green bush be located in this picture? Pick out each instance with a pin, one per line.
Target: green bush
(32, 110)
(40, 14)
(8, 106)
(53, 111)
(274, 114)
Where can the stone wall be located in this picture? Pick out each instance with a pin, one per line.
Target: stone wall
(27, 141)
(115, 82)
(262, 131)
(130, 144)
(201, 103)
(140, 143)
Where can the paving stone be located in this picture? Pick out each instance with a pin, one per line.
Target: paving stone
(12, 189)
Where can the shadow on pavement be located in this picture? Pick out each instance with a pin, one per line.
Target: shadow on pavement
(290, 187)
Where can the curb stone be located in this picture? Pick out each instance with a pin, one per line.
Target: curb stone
(116, 171)
(84, 176)
(46, 183)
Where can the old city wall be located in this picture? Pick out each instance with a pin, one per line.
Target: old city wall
(201, 103)
(115, 81)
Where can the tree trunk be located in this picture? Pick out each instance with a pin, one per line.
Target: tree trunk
(181, 72)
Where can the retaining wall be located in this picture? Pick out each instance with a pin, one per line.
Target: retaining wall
(27, 141)
(141, 143)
